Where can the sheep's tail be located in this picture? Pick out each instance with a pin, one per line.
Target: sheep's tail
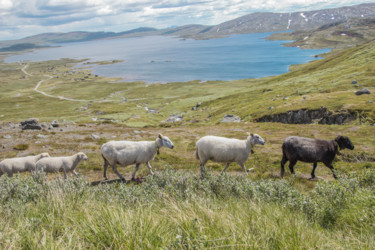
(196, 154)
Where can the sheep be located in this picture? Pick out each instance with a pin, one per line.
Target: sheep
(60, 164)
(312, 150)
(20, 164)
(126, 153)
(221, 149)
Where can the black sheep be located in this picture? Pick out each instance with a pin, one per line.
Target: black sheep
(312, 150)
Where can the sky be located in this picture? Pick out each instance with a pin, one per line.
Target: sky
(21, 18)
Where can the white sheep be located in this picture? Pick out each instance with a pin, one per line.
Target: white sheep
(221, 149)
(60, 164)
(126, 153)
(20, 164)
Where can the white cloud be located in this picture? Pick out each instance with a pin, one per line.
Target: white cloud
(118, 15)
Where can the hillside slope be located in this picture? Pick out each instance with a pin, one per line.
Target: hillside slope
(336, 35)
(330, 83)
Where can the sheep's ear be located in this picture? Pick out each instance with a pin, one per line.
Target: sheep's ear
(252, 134)
(160, 136)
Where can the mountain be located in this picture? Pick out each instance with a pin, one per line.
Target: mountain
(251, 23)
(271, 22)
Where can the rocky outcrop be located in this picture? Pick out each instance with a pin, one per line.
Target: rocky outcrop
(363, 91)
(174, 118)
(32, 124)
(307, 116)
(231, 118)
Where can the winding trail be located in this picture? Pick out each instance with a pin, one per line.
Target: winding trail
(36, 89)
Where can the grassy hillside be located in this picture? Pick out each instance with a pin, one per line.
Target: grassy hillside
(175, 208)
(326, 82)
(335, 35)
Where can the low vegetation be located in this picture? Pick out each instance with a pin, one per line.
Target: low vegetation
(180, 210)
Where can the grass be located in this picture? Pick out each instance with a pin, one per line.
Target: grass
(179, 210)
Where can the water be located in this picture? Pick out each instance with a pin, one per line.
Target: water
(169, 59)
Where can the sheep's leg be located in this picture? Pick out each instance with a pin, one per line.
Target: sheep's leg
(135, 171)
(225, 168)
(333, 171)
(149, 168)
(65, 176)
(203, 170)
(291, 166)
(75, 173)
(313, 171)
(116, 172)
(243, 167)
(105, 166)
(283, 161)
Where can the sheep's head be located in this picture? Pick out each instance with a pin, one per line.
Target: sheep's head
(344, 142)
(256, 139)
(44, 155)
(164, 141)
(82, 156)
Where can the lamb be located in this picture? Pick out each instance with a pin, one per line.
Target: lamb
(126, 153)
(20, 164)
(60, 164)
(312, 150)
(221, 149)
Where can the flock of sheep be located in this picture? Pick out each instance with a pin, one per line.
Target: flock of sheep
(214, 148)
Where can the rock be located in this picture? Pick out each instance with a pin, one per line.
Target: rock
(136, 132)
(370, 101)
(153, 111)
(100, 112)
(42, 136)
(285, 98)
(270, 107)
(95, 137)
(7, 137)
(231, 118)
(32, 124)
(174, 118)
(31, 127)
(304, 97)
(354, 82)
(55, 124)
(363, 91)
(194, 108)
(31, 121)
(198, 104)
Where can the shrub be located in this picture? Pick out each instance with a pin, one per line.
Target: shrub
(21, 147)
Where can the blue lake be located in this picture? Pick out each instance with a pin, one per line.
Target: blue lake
(169, 59)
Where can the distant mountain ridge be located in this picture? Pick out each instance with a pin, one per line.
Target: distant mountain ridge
(251, 23)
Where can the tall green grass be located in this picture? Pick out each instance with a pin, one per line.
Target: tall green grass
(174, 210)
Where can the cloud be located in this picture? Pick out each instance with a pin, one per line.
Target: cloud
(20, 18)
